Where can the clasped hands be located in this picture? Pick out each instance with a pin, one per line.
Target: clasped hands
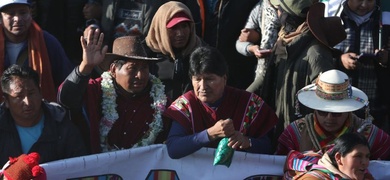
(225, 128)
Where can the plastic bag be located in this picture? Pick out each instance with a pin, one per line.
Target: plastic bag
(223, 153)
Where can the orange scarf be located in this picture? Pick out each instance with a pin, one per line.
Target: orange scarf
(38, 59)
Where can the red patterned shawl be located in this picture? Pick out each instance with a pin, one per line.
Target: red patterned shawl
(250, 114)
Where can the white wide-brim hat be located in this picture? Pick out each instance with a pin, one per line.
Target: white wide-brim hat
(329, 83)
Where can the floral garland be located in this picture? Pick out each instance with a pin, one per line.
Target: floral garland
(110, 115)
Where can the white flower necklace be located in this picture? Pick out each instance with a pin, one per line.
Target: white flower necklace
(110, 115)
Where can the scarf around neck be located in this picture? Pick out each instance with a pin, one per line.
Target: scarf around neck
(285, 39)
(359, 20)
(325, 138)
(38, 59)
(329, 168)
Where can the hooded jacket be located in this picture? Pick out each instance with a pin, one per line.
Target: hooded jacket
(173, 70)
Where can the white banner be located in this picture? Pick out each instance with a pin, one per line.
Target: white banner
(137, 163)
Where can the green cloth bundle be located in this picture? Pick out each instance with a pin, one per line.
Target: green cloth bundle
(223, 153)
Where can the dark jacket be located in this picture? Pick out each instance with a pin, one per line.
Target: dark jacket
(81, 92)
(63, 23)
(365, 39)
(60, 139)
(173, 74)
(220, 29)
(291, 69)
(110, 8)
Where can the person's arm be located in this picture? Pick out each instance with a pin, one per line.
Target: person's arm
(261, 145)
(70, 92)
(288, 138)
(179, 144)
(380, 147)
(241, 48)
(250, 34)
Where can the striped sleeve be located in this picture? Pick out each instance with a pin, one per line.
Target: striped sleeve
(379, 142)
(289, 139)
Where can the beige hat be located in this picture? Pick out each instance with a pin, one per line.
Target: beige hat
(332, 93)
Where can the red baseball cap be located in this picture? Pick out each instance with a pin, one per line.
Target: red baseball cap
(178, 18)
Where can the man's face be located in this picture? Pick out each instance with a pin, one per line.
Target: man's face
(331, 122)
(16, 20)
(179, 35)
(24, 101)
(209, 88)
(361, 7)
(133, 77)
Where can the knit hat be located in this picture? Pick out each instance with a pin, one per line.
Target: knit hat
(4, 3)
(294, 7)
(24, 167)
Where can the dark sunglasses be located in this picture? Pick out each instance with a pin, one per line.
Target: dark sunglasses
(324, 113)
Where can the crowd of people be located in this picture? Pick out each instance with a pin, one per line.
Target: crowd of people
(272, 76)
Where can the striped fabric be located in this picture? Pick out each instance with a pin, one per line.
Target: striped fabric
(292, 138)
(162, 174)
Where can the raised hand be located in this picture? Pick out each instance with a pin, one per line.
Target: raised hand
(93, 53)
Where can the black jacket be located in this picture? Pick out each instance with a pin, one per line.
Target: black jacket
(60, 139)
(222, 27)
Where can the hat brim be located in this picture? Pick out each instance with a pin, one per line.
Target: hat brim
(320, 26)
(311, 100)
(177, 20)
(14, 3)
(111, 57)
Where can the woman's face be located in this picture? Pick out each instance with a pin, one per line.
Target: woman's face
(361, 7)
(209, 88)
(331, 122)
(355, 163)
